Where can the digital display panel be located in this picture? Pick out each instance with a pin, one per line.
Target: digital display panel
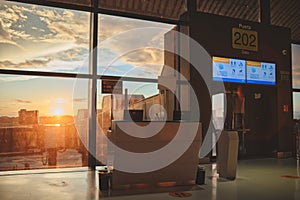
(261, 73)
(112, 86)
(229, 70)
(243, 71)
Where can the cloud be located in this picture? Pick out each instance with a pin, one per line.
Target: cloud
(3, 33)
(22, 101)
(35, 28)
(143, 56)
(34, 63)
(6, 64)
(145, 61)
(61, 29)
(121, 40)
(11, 12)
(65, 25)
(27, 64)
(5, 36)
(74, 54)
(140, 47)
(133, 39)
(111, 26)
(10, 15)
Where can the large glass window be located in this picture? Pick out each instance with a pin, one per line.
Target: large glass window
(296, 79)
(131, 51)
(43, 120)
(296, 65)
(130, 47)
(44, 110)
(42, 38)
(296, 101)
(39, 117)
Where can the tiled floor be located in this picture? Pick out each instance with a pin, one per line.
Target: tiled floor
(256, 179)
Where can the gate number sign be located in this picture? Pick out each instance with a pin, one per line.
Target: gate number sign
(244, 39)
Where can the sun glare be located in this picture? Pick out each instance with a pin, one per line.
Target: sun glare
(57, 111)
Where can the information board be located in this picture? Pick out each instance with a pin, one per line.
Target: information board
(229, 70)
(243, 71)
(261, 73)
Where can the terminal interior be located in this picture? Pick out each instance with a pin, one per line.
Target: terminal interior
(147, 99)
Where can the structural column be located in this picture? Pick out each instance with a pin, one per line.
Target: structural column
(93, 86)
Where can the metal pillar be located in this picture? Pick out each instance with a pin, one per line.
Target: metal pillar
(93, 86)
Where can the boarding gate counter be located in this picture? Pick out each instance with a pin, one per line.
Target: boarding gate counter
(180, 172)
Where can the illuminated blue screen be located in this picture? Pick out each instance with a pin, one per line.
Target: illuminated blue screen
(243, 71)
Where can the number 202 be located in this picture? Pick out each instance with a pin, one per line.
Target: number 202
(245, 39)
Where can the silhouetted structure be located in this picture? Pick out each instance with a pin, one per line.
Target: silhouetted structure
(27, 117)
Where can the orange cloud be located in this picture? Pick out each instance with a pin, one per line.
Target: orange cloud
(28, 63)
(22, 101)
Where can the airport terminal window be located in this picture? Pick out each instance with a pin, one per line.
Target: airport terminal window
(46, 78)
(296, 106)
(131, 47)
(296, 79)
(43, 38)
(41, 112)
(38, 123)
(134, 49)
(296, 65)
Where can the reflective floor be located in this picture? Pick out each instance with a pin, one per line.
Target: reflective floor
(256, 179)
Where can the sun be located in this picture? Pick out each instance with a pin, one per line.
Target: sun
(57, 111)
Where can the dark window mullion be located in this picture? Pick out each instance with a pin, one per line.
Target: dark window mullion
(93, 87)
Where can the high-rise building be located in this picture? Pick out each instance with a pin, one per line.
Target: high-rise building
(27, 117)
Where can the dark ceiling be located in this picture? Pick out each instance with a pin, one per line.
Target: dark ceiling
(284, 13)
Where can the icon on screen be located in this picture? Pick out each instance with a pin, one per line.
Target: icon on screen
(270, 67)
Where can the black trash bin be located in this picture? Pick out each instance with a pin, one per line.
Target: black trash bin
(200, 179)
(104, 180)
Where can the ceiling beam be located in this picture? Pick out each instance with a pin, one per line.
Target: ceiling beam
(265, 13)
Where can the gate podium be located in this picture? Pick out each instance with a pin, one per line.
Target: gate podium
(227, 154)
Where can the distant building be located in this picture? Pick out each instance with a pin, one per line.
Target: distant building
(82, 114)
(113, 108)
(27, 117)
